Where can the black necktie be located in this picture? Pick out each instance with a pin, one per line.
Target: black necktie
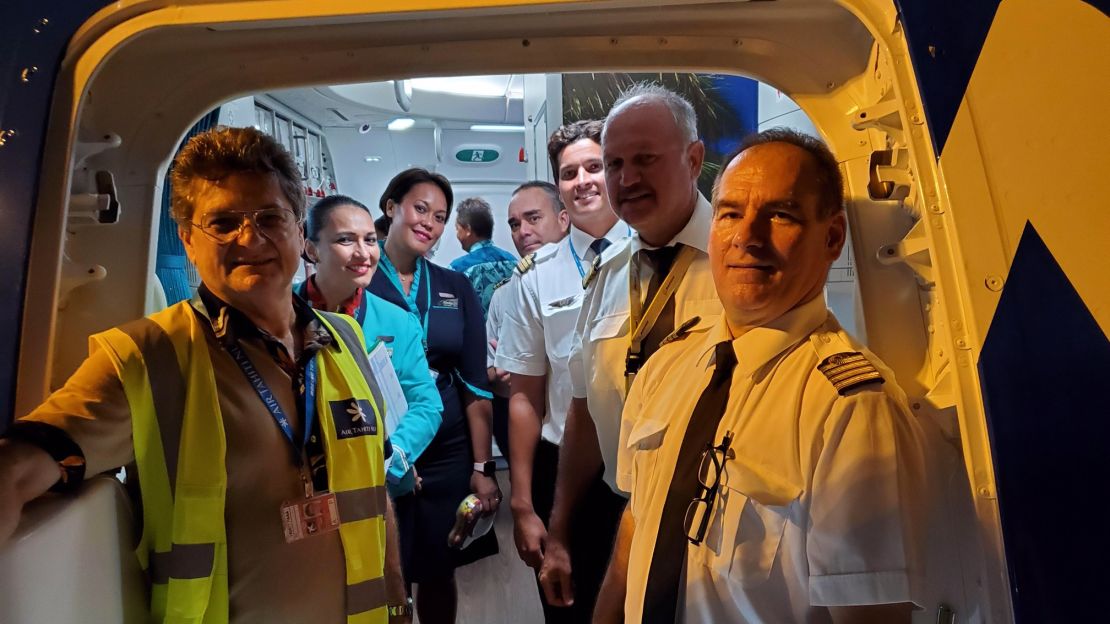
(669, 558)
(599, 246)
(661, 260)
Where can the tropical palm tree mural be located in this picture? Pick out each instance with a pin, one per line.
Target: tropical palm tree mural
(720, 123)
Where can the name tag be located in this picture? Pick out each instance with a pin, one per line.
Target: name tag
(310, 516)
(447, 300)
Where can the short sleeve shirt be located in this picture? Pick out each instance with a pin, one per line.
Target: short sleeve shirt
(538, 329)
(92, 409)
(495, 318)
(485, 265)
(822, 500)
(601, 333)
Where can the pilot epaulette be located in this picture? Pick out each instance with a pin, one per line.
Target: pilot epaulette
(502, 282)
(682, 331)
(592, 272)
(849, 370)
(526, 263)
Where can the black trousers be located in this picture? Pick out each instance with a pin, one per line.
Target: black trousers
(593, 531)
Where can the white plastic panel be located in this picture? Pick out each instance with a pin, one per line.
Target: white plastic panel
(72, 560)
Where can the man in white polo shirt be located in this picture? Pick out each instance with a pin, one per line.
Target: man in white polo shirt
(534, 345)
(640, 291)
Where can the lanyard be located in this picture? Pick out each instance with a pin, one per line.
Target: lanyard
(308, 398)
(410, 299)
(577, 260)
(641, 321)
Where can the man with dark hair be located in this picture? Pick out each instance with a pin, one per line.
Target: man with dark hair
(535, 342)
(787, 480)
(485, 264)
(536, 218)
(252, 419)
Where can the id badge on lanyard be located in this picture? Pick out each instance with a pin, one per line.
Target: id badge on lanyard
(314, 514)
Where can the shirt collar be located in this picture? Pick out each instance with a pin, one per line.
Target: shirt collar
(582, 240)
(230, 325)
(315, 298)
(762, 344)
(482, 244)
(695, 234)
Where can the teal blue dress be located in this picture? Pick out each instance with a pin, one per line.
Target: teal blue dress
(382, 321)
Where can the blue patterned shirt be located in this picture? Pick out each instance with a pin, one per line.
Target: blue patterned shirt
(485, 266)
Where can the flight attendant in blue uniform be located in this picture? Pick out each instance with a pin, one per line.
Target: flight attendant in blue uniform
(341, 243)
(459, 459)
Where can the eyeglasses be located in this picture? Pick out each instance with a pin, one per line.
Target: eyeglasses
(226, 226)
(709, 481)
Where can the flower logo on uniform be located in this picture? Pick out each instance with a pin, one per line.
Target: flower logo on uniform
(353, 418)
(355, 410)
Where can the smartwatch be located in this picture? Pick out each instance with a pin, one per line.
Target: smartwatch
(488, 468)
(398, 610)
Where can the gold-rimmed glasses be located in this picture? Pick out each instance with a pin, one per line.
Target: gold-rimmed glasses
(225, 226)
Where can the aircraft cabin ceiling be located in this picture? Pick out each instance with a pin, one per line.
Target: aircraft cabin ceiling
(452, 102)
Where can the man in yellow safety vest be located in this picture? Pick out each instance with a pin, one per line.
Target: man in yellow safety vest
(254, 422)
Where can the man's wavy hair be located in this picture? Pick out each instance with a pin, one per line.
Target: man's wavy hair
(223, 151)
(568, 134)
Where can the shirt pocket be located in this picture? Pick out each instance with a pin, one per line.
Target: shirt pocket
(607, 327)
(639, 451)
(753, 507)
(558, 327)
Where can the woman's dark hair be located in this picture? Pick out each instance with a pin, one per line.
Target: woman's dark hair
(318, 214)
(403, 182)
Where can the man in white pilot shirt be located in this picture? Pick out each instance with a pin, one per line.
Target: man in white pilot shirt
(652, 159)
(533, 346)
(786, 481)
(536, 216)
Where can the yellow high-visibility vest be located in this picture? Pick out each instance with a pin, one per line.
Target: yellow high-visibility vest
(163, 362)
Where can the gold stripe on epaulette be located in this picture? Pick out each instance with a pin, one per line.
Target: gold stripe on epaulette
(849, 370)
(502, 282)
(526, 263)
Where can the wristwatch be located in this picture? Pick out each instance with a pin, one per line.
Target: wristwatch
(58, 444)
(399, 610)
(488, 468)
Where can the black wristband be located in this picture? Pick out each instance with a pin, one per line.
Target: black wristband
(58, 445)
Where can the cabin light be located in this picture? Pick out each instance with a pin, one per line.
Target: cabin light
(401, 123)
(473, 86)
(373, 159)
(495, 128)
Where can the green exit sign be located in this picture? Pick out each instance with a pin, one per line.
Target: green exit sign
(484, 155)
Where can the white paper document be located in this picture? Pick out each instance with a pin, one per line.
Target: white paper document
(390, 385)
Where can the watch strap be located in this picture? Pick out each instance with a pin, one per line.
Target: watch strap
(57, 444)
